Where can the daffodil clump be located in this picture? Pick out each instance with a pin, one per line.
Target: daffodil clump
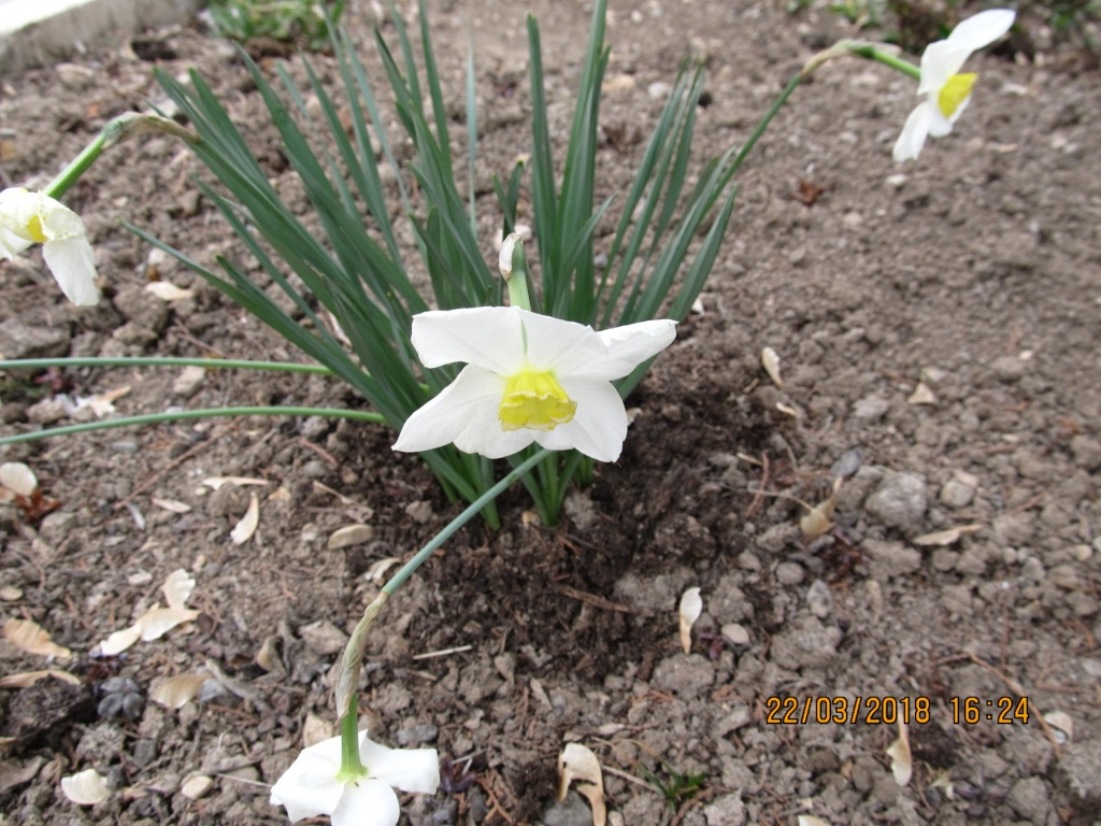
(529, 371)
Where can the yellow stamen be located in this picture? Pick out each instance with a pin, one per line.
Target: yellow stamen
(534, 399)
(955, 92)
(34, 230)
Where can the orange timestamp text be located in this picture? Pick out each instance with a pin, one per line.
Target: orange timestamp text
(872, 710)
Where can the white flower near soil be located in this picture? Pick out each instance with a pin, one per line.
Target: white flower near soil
(529, 378)
(947, 92)
(314, 784)
(28, 218)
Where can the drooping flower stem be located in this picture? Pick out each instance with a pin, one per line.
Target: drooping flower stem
(204, 413)
(164, 361)
(117, 129)
(763, 124)
(879, 52)
(356, 648)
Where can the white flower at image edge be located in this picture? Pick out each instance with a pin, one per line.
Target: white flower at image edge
(529, 378)
(35, 218)
(946, 91)
(312, 786)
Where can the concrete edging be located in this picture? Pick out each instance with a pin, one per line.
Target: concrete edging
(43, 32)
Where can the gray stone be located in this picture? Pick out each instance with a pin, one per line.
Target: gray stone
(1087, 452)
(789, 573)
(47, 411)
(955, 494)
(684, 676)
(188, 383)
(22, 341)
(899, 501)
(1030, 799)
(571, 811)
(1079, 775)
(891, 559)
(728, 810)
(808, 644)
(871, 407)
(1008, 368)
(145, 310)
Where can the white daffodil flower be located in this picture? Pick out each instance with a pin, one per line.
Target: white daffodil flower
(313, 785)
(947, 92)
(529, 378)
(35, 218)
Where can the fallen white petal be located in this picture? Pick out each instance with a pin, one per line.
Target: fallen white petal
(33, 638)
(18, 478)
(691, 606)
(243, 530)
(86, 788)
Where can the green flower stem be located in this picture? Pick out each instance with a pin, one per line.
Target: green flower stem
(862, 48)
(872, 51)
(115, 130)
(351, 766)
(777, 105)
(157, 361)
(205, 413)
(356, 648)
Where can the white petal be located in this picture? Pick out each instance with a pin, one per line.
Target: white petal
(445, 417)
(982, 29)
(555, 344)
(599, 426)
(11, 244)
(17, 207)
(367, 802)
(939, 125)
(939, 62)
(488, 337)
(914, 133)
(631, 345)
(309, 787)
(73, 265)
(411, 770)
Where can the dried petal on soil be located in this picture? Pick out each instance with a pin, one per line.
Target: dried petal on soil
(176, 692)
(902, 762)
(86, 788)
(577, 762)
(243, 531)
(18, 478)
(29, 636)
(691, 606)
(29, 678)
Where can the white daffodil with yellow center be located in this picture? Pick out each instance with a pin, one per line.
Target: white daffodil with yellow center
(529, 378)
(947, 92)
(35, 218)
(315, 785)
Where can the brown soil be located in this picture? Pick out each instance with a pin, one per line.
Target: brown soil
(973, 272)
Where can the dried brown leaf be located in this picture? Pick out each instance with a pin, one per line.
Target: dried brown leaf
(902, 761)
